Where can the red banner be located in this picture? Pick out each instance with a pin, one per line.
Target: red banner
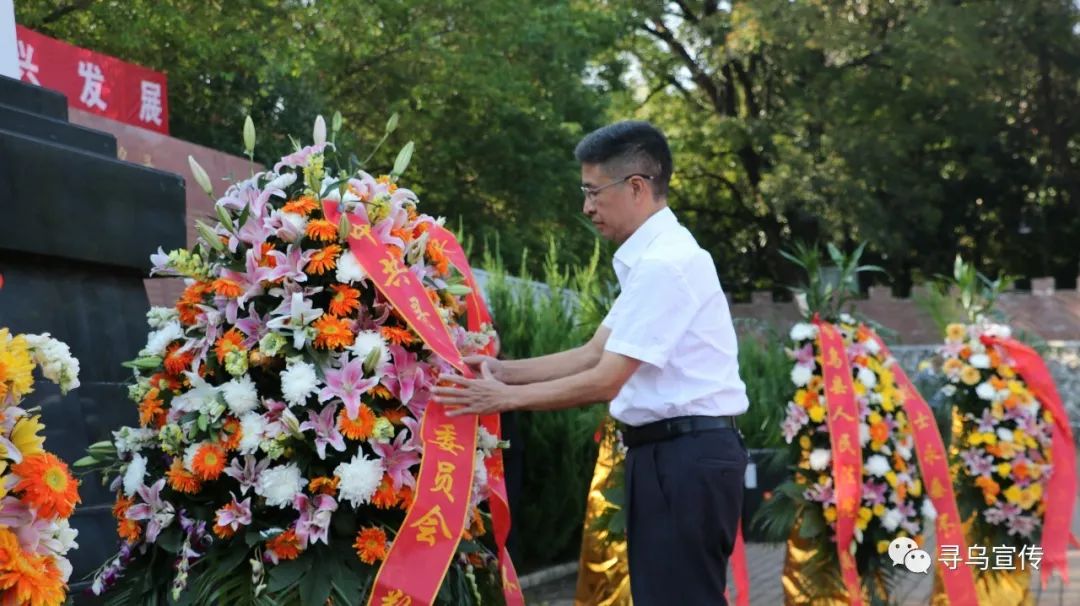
(95, 82)
(934, 465)
(478, 317)
(1060, 492)
(843, 422)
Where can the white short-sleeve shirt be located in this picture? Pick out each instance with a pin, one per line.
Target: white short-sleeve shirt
(673, 316)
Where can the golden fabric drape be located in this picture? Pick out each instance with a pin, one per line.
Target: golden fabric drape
(603, 569)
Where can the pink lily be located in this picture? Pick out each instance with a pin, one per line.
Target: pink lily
(158, 512)
(313, 525)
(397, 459)
(299, 157)
(324, 424)
(235, 514)
(247, 474)
(349, 384)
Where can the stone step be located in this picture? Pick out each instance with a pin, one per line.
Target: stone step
(64, 202)
(56, 131)
(33, 99)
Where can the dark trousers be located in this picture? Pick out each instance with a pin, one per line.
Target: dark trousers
(684, 501)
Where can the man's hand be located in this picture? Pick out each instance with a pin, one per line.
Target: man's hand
(495, 366)
(480, 396)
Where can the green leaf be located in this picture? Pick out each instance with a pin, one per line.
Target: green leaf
(285, 575)
(811, 525)
(315, 586)
(170, 539)
(87, 461)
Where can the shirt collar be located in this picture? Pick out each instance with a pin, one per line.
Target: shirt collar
(630, 251)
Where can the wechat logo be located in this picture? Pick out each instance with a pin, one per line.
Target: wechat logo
(905, 552)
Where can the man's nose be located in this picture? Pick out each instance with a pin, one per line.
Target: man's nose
(588, 207)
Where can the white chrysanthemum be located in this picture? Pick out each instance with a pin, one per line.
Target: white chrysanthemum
(928, 510)
(803, 331)
(56, 540)
(241, 395)
(298, 381)
(891, 520)
(872, 346)
(54, 359)
(1005, 435)
(159, 317)
(252, 432)
(133, 439)
(279, 485)
(360, 478)
(800, 375)
(864, 434)
(133, 476)
(480, 479)
(819, 459)
(867, 378)
(877, 465)
(348, 269)
(986, 392)
(158, 340)
(847, 318)
(980, 361)
(486, 441)
(368, 340)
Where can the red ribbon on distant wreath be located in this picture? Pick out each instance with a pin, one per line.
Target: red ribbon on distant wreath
(842, 415)
(739, 571)
(937, 482)
(478, 317)
(427, 540)
(1060, 492)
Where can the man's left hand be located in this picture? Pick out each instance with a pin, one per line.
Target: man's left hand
(483, 395)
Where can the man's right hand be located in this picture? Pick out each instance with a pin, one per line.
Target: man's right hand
(495, 367)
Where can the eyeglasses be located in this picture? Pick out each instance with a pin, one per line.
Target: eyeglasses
(591, 192)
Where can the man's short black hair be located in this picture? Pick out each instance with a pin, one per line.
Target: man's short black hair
(629, 147)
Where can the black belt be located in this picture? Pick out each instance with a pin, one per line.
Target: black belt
(667, 429)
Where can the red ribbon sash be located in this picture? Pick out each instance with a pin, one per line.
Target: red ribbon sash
(1060, 492)
(478, 317)
(937, 482)
(428, 538)
(843, 422)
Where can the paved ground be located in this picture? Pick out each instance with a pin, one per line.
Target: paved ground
(766, 562)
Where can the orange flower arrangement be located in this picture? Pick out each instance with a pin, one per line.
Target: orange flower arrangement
(323, 260)
(304, 205)
(284, 546)
(346, 300)
(230, 341)
(397, 335)
(47, 485)
(333, 333)
(371, 545)
(322, 230)
(209, 462)
(29, 579)
(360, 428)
(181, 479)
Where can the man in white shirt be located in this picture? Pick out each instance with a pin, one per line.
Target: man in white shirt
(666, 358)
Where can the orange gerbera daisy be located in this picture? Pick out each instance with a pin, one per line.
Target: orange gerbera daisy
(176, 361)
(370, 545)
(231, 434)
(151, 411)
(188, 303)
(47, 485)
(382, 392)
(223, 532)
(396, 335)
(265, 260)
(324, 485)
(322, 230)
(345, 301)
(324, 260)
(333, 332)
(120, 507)
(27, 578)
(129, 530)
(359, 428)
(181, 479)
(164, 381)
(302, 205)
(405, 497)
(438, 257)
(209, 461)
(227, 288)
(395, 415)
(401, 232)
(230, 341)
(285, 546)
(385, 497)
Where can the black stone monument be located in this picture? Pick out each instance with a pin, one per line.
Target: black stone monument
(77, 227)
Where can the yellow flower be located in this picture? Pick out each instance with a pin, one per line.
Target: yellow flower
(804, 442)
(879, 510)
(25, 435)
(1016, 387)
(1003, 469)
(816, 413)
(830, 514)
(873, 419)
(865, 514)
(890, 477)
(860, 389)
(916, 488)
(970, 375)
(1036, 491)
(955, 332)
(887, 400)
(1013, 494)
(1028, 498)
(3, 468)
(997, 411)
(16, 367)
(882, 546)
